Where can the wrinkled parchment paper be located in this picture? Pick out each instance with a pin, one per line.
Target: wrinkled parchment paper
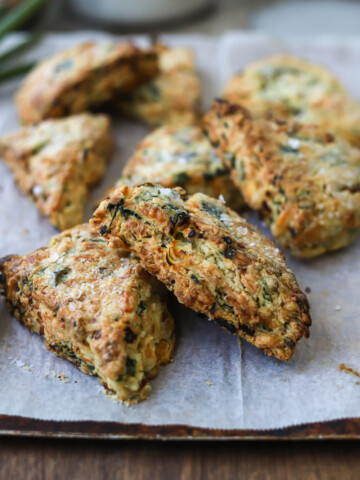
(215, 381)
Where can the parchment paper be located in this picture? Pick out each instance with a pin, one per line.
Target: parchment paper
(215, 381)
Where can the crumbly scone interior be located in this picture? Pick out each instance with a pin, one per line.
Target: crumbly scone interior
(215, 262)
(95, 307)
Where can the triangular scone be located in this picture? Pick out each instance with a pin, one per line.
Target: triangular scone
(176, 156)
(213, 260)
(83, 78)
(57, 161)
(304, 181)
(172, 97)
(291, 88)
(96, 307)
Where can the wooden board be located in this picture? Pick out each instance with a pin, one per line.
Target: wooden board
(347, 429)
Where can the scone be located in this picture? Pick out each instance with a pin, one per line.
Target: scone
(304, 181)
(176, 156)
(290, 88)
(57, 161)
(83, 78)
(172, 97)
(213, 260)
(96, 307)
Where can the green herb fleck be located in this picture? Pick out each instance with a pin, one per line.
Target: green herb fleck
(154, 92)
(196, 280)
(130, 367)
(265, 291)
(61, 274)
(229, 251)
(125, 212)
(64, 65)
(230, 157)
(181, 179)
(288, 149)
(130, 336)
(212, 209)
(141, 308)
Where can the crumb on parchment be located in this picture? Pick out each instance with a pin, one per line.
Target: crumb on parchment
(60, 376)
(347, 369)
(63, 378)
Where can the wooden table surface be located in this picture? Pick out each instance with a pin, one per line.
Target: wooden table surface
(37, 459)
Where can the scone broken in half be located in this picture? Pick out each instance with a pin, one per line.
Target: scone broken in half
(56, 162)
(96, 307)
(288, 87)
(172, 97)
(82, 78)
(304, 181)
(213, 260)
(176, 156)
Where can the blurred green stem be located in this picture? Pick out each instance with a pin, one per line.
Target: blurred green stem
(16, 71)
(16, 17)
(21, 47)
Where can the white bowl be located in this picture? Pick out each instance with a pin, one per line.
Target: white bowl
(137, 11)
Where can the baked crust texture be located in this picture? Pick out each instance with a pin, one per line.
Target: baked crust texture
(212, 259)
(304, 181)
(57, 161)
(173, 97)
(176, 156)
(94, 306)
(82, 78)
(290, 88)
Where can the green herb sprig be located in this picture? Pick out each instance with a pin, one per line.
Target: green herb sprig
(12, 19)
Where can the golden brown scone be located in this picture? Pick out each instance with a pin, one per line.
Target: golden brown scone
(176, 156)
(171, 98)
(303, 180)
(96, 307)
(213, 260)
(57, 161)
(83, 78)
(291, 88)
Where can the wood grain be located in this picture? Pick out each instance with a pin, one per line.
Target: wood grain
(12, 425)
(40, 459)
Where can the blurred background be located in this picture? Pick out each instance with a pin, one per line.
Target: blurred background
(279, 18)
(291, 17)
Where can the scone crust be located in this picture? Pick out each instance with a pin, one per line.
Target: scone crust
(282, 78)
(303, 180)
(57, 161)
(83, 78)
(173, 97)
(288, 87)
(212, 259)
(96, 307)
(176, 156)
